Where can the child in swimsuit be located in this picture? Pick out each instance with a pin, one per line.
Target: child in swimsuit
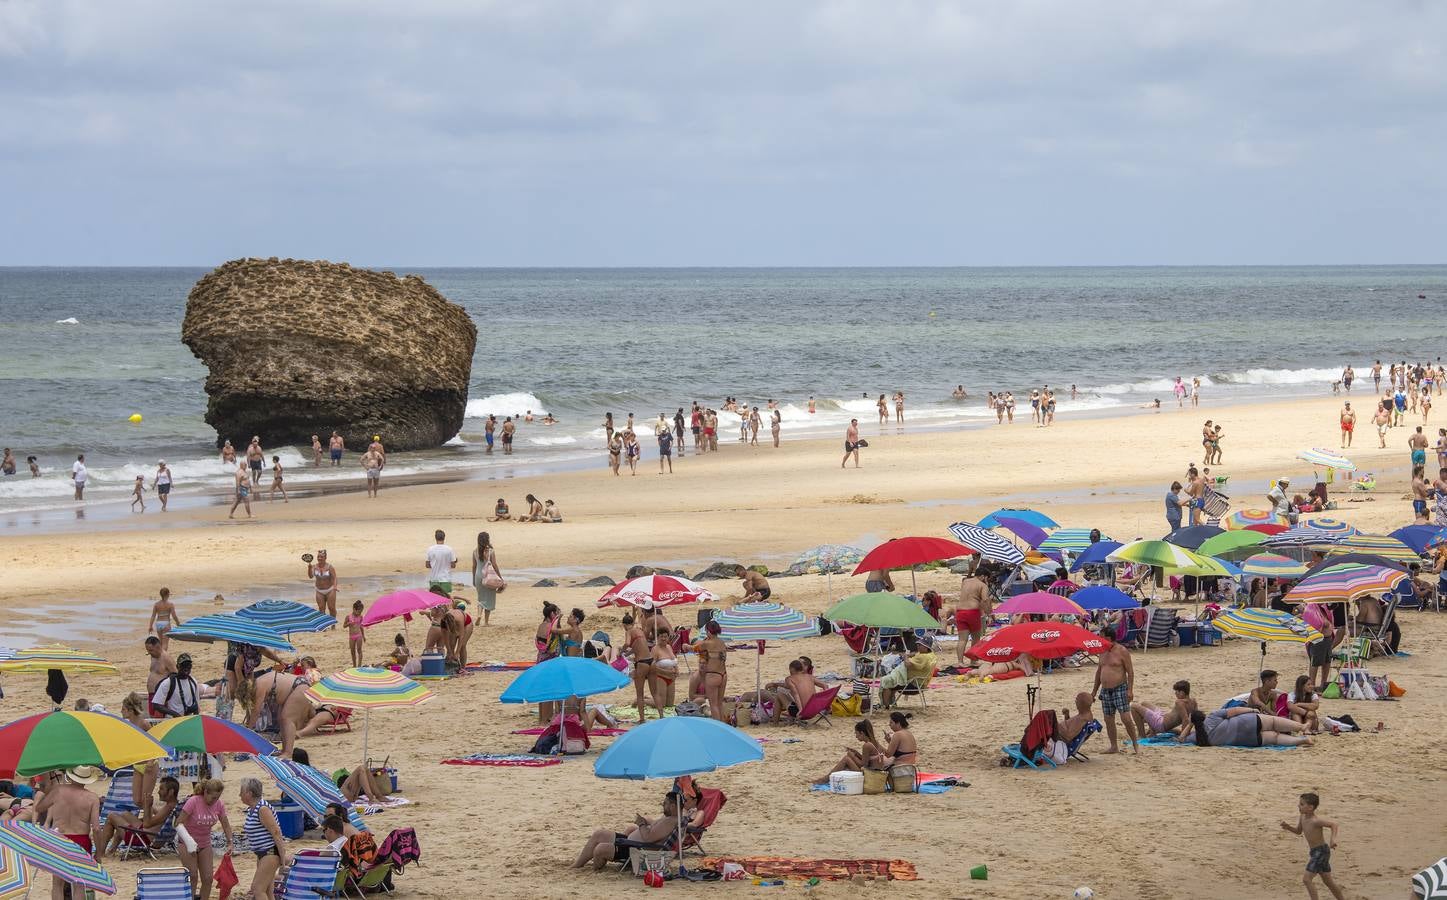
(356, 636)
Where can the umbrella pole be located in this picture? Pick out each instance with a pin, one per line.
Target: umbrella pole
(366, 733)
(914, 588)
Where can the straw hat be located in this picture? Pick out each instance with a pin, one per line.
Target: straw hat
(83, 775)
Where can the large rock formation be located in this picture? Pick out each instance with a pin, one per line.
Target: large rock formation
(299, 347)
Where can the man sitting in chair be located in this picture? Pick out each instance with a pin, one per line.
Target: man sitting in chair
(790, 695)
(603, 848)
(918, 665)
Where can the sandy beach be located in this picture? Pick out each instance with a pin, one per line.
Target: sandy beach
(1170, 822)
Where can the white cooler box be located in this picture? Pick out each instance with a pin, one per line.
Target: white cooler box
(846, 782)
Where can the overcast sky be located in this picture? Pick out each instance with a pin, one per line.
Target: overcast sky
(537, 133)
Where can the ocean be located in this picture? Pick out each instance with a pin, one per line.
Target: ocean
(81, 350)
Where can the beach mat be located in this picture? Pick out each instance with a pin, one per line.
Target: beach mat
(595, 732)
(825, 869)
(517, 666)
(1166, 740)
(504, 760)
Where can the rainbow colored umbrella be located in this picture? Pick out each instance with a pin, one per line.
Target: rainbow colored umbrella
(208, 734)
(1244, 518)
(1068, 540)
(1375, 544)
(14, 877)
(1039, 603)
(368, 689)
(1317, 531)
(765, 621)
(62, 740)
(1345, 583)
(1273, 565)
(43, 659)
(56, 854)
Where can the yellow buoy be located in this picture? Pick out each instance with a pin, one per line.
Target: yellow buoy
(931, 314)
(135, 418)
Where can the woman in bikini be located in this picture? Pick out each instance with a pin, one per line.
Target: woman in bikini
(548, 645)
(883, 410)
(570, 634)
(900, 748)
(870, 754)
(712, 662)
(665, 669)
(615, 452)
(461, 626)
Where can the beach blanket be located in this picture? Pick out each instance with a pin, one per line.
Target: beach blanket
(825, 869)
(516, 666)
(631, 711)
(929, 783)
(369, 807)
(769, 740)
(524, 760)
(594, 732)
(1167, 740)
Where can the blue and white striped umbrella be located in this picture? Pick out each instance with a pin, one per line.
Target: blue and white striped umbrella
(311, 789)
(287, 616)
(228, 627)
(987, 543)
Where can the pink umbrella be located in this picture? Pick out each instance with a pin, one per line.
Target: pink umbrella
(655, 591)
(401, 603)
(1039, 603)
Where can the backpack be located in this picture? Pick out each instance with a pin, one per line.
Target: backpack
(191, 708)
(400, 848)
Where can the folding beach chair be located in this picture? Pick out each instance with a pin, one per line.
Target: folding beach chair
(342, 722)
(1161, 630)
(136, 841)
(710, 803)
(313, 874)
(377, 879)
(1030, 751)
(817, 708)
(1379, 636)
(170, 883)
(119, 796)
(1093, 727)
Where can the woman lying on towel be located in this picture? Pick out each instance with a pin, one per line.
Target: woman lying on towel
(1025, 664)
(1244, 727)
(602, 848)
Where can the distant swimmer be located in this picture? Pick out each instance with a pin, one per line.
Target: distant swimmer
(228, 454)
(959, 392)
(254, 458)
(811, 404)
(548, 419)
(7, 465)
(34, 466)
(316, 452)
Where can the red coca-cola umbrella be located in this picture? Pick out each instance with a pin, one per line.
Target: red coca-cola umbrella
(897, 553)
(654, 591)
(1042, 640)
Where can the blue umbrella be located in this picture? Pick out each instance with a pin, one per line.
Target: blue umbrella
(677, 745)
(1420, 537)
(1103, 596)
(310, 788)
(562, 677)
(1038, 519)
(228, 627)
(1095, 555)
(1231, 568)
(287, 616)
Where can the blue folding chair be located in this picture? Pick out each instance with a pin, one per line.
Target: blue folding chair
(170, 883)
(313, 874)
(1019, 760)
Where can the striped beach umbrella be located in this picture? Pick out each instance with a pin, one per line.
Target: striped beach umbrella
(208, 734)
(14, 876)
(1345, 583)
(1038, 519)
(1245, 518)
(826, 558)
(63, 740)
(1068, 540)
(765, 621)
(1266, 625)
(1375, 544)
(654, 592)
(43, 659)
(1273, 565)
(287, 616)
(1317, 531)
(1231, 544)
(56, 854)
(229, 627)
(1327, 458)
(368, 689)
(1167, 556)
(311, 789)
(987, 543)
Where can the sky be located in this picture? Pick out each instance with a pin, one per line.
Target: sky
(639, 133)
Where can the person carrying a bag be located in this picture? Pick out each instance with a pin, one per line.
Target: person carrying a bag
(486, 579)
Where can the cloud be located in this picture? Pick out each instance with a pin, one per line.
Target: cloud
(549, 133)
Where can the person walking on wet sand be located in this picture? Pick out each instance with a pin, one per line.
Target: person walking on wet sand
(277, 481)
(774, 424)
(1114, 685)
(162, 483)
(851, 443)
(254, 458)
(316, 452)
(243, 491)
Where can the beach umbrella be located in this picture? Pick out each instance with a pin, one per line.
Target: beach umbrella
(1345, 583)
(763, 620)
(562, 677)
(1095, 555)
(654, 592)
(1265, 625)
(368, 689)
(1039, 603)
(880, 610)
(1167, 556)
(401, 603)
(229, 627)
(1231, 543)
(1025, 531)
(1327, 458)
(673, 747)
(1421, 538)
(1374, 545)
(1268, 528)
(210, 735)
(43, 659)
(1193, 536)
(898, 553)
(63, 740)
(1242, 519)
(1272, 565)
(987, 543)
(287, 616)
(1359, 559)
(1038, 519)
(1316, 531)
(14, 876)
(1101, 596)
(310, 788)
(52, 852)
(827, 558)
(1042, 640)
(1068, 540)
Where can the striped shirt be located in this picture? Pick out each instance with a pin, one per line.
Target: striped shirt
(257, 837)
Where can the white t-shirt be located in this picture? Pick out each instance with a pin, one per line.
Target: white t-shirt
(441, 559)
(78, 472)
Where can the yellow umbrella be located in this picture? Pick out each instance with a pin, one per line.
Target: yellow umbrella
(43, 659)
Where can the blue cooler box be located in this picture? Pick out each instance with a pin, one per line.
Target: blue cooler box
(433, 665)
(291, 819)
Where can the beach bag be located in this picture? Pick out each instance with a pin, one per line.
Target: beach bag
(875, 781)
(846, 707)
(1394, 690)
(688, 708)
(1332, 692)
(904, 779)
(491, 580)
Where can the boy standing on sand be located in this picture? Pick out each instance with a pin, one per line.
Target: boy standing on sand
(1318, 862)
(1113, 685)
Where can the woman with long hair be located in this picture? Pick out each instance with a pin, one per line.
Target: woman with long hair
(483, 558)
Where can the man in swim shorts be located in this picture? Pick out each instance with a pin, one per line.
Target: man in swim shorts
(1348, 423)
(1113, 685)
(74, 812)
(508, 429)
(756, 586)
(487, 431)
(254, 458)
(970, 612)
(851, 443)
(337, 445)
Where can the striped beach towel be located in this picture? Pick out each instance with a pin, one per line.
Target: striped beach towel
(505, 760)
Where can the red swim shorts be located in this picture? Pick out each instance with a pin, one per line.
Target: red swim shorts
(967, 620)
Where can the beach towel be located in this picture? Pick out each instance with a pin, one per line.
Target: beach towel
(825, 869)
(524, 760)
(517, 666)
(1169, 740)
(369, 807)
(592, 732)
